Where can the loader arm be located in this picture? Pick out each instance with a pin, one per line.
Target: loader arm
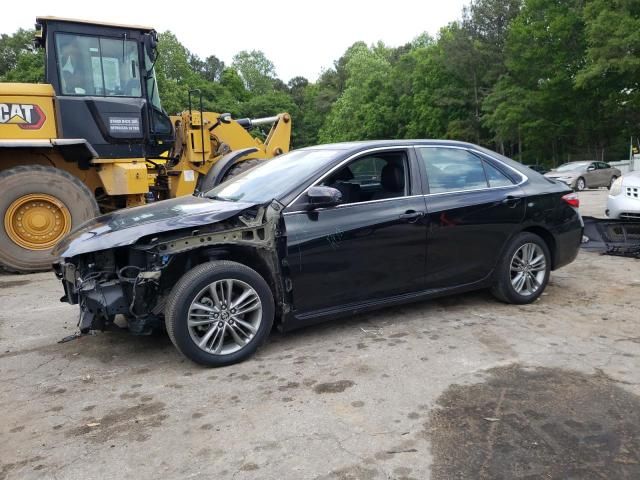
(279, 137)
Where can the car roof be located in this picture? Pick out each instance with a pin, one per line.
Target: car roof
(354, 147)
(346, 149)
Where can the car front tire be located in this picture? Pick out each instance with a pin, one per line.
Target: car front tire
(581, 184)
(523, 272)
(219, 313)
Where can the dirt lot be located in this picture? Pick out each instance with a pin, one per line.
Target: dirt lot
(463, 387)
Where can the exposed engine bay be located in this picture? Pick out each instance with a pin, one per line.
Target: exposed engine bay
(134, 280)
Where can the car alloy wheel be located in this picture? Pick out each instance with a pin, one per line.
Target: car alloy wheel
(528, 269)
(224, 316)
(581, 184)
(219, 313)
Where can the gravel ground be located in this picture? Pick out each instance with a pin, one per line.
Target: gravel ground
(461, 387)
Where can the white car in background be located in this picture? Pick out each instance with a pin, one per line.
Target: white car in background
(624, 197)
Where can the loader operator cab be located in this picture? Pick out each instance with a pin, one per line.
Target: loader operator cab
(105, 84)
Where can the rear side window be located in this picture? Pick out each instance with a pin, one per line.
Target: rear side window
(454, 170)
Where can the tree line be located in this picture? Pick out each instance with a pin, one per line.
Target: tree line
(542, 81)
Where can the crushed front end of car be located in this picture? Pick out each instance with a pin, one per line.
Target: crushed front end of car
(111, 282)
(126, 263)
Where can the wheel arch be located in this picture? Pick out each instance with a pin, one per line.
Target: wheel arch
(548, 239)
(261, 260)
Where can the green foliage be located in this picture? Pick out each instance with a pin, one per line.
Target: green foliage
(365, 109)
(19, 60)
(256, 70)
(541, 80)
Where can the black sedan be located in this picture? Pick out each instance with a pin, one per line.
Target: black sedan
(319, 233)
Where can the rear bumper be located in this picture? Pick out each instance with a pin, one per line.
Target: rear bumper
(567, 242)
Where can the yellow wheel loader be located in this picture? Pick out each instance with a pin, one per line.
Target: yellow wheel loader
(95, 138)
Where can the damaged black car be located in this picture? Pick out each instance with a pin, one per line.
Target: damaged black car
(319, 233)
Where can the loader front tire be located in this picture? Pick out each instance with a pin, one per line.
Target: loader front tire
(39, 205)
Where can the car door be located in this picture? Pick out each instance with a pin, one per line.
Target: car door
(474, 206)
(606, 172)
(362, 251)
(592, 175)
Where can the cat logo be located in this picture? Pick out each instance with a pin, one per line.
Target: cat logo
(25, 116)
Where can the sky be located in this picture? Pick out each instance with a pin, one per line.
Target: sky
(300, 38)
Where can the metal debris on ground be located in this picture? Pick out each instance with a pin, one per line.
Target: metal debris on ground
(612, 237)
(75, 336)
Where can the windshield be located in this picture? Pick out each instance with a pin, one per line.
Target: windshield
(572, 166)
(274, 178)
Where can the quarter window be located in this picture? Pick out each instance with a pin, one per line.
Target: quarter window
(452, 170)
(496, 177)
(98, 66)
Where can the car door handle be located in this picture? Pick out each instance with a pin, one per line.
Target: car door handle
(411, 216)
(511, 200)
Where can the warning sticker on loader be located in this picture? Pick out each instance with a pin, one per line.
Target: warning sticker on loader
(26, 116)
(124, 125)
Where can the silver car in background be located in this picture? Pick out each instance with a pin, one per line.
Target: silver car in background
(624, 197)
(581, 175)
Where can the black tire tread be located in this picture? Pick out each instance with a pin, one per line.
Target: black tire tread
(501, 289)
(52, 172)
(242, 167)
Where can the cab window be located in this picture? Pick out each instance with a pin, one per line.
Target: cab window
(98, 66)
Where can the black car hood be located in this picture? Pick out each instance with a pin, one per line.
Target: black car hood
(124, 227)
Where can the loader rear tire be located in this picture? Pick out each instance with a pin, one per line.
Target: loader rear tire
(39, 205)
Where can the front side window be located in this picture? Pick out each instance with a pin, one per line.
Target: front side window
(453, 170)
(372, 177)
(98, 66)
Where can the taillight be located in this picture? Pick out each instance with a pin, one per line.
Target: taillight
(572, 199)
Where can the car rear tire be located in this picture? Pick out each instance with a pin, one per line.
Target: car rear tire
(613, 179)
(219, 313)
(523, 272)
(581, 184)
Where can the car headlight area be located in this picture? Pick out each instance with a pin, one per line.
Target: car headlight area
(624, 199)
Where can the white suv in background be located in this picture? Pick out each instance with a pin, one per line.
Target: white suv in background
(624, 197)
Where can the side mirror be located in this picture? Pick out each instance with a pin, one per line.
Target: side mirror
(318, 197)
(590, 168)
